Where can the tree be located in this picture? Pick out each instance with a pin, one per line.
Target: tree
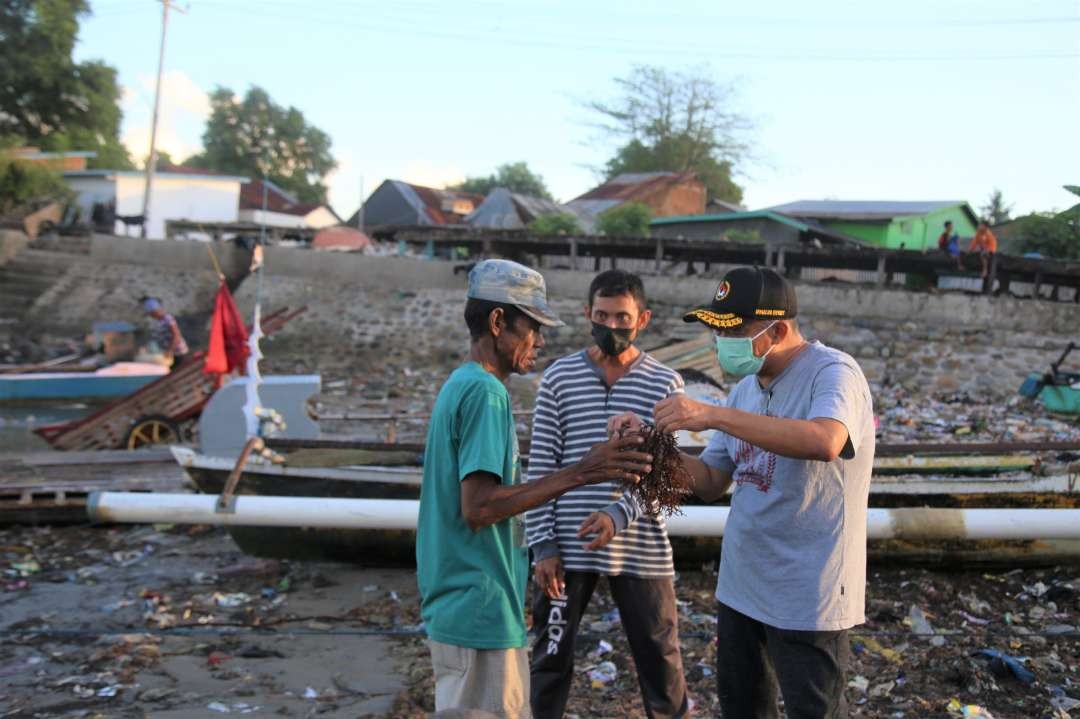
(1053, 235)
(22, 183)
(995, 211)
(47, 99)
(556, 223)
(255, 137)
(164, 161)
(627, 220)
(516, 177)
(676, 122)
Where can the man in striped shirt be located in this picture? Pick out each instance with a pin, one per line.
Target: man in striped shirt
(600, 529)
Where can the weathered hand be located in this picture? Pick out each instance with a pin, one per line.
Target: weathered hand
(615, 460)
(550, 577)
(600, 524)
(680, 412)
(623, 424)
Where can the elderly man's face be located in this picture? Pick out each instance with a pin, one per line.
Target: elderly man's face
(519, 344)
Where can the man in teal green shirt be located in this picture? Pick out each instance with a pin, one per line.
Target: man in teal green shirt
(471, 559)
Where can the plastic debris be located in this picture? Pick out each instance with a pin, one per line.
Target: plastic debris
(860, 683)
(310, 693)
(611, 616)
(602, 647)
(602, 674)
(1003, 664)
(885, 652)
(237, 599)
(918, 621)
(973, 619)
(881, 690)
(1061, 701)
(25, 569)
(974, 711)
(216, 659)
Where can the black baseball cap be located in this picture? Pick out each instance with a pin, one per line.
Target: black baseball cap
(747, 294)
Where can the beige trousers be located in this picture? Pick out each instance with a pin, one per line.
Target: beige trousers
(492, 680)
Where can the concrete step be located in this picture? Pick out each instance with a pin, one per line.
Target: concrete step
(15, 303)
(17, 268)
(63, 244)
(26, 282)
(46, 257)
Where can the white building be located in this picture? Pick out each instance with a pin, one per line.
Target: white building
(177, 194)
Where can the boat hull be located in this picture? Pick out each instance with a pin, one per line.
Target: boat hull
(378, 547)
(73, 385)
(386, 547)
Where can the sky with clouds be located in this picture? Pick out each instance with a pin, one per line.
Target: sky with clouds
(850, 100)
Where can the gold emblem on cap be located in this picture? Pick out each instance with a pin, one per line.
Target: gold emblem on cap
(717, 320)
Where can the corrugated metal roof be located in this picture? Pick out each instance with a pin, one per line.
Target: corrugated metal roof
(729, 216)
(428, 202)
(636, 178)
(506, 210)
(724, 205)
(631, 186)
(809, 226)
(594, 207)
(873, 210)
(189, 172)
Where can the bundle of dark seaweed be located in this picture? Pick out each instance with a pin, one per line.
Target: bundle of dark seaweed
(665, 488)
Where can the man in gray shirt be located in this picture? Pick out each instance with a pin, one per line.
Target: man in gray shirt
(797, 438)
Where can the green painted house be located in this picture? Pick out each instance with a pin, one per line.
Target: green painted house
(910, 225)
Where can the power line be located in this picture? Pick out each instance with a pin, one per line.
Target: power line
(394, 24)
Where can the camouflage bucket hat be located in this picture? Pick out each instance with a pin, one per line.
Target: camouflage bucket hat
(513, 284)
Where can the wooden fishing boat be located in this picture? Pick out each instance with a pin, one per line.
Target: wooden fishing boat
(31, 386)
(355, 470)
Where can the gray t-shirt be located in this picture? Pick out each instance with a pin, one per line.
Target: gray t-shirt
(794, 551)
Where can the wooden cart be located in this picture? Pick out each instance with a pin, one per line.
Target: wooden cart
(155, 414)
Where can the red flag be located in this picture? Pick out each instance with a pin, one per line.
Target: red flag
(228, 336)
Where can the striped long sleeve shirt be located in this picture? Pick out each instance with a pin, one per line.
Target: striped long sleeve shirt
(572, 409)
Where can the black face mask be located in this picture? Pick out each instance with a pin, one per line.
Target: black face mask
(612, 341)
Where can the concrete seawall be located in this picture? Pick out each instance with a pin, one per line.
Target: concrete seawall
(381, 313)
(961, 310)
(372, 314)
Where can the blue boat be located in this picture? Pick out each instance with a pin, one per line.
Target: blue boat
(71, 385)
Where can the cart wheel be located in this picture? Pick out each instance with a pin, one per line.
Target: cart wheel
(152, 430)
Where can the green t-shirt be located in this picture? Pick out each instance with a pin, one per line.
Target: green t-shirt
(472, 584)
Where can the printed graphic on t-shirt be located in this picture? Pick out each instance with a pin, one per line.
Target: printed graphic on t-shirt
(754, 465)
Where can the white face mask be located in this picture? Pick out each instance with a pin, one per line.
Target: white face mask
(736, 354)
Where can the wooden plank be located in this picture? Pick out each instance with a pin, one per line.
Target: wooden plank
(99, 457)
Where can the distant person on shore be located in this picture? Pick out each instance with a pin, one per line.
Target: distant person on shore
(985, 244)
(471, 559)
(949, 243)
(600, 530)
(165, 336)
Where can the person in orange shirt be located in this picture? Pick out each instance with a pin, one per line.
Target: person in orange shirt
(985, 244)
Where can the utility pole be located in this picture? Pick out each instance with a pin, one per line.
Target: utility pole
(151, 162)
